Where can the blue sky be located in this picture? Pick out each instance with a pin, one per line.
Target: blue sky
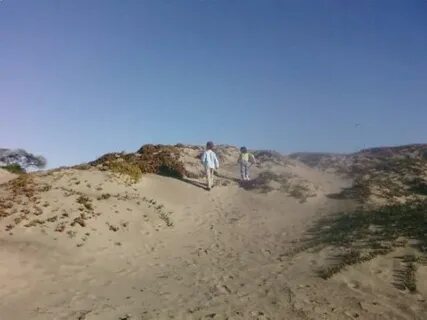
(81, 78)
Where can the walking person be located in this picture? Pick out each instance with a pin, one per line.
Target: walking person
(246, 160)
(210, 162)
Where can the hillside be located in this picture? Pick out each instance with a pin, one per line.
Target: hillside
(380, 175)
(136, 236)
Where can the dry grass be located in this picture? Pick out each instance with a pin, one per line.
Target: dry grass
(369, 233)
(405, 278)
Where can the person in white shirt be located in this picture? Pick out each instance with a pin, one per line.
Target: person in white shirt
(210, 162)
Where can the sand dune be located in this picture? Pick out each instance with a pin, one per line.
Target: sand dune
(86, 244)
(5, 176)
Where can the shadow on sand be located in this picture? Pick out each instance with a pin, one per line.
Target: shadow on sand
(195, 183)
(203, 186)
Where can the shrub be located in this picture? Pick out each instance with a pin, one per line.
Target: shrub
(157, 159)
(126, 168)
(13, 168)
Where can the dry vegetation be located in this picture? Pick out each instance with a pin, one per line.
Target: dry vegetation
(157, 159)
(395, 176)
(392, 174)
(129, 169)
(405, 277)
(369, 233)
(268, 181)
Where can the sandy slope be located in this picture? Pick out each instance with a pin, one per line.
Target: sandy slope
(226, 256)
(6, 176)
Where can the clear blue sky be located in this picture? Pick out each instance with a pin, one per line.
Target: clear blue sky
(81, 78)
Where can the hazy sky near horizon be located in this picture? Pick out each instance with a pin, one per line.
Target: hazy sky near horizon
(81, 78)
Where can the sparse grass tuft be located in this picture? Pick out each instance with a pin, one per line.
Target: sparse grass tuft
(85, 201)
(348, 258)
(409, 277)
(405, 277)
(165, 217)
(104, 196)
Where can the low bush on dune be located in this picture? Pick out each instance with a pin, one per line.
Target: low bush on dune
(13, 168)
(157, 159)
(160, 159)
(125, 168)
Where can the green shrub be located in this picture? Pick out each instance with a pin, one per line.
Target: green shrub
(157, 159)
(14, 168)
(126, 168)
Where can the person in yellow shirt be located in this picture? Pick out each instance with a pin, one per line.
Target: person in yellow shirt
(246, 160)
